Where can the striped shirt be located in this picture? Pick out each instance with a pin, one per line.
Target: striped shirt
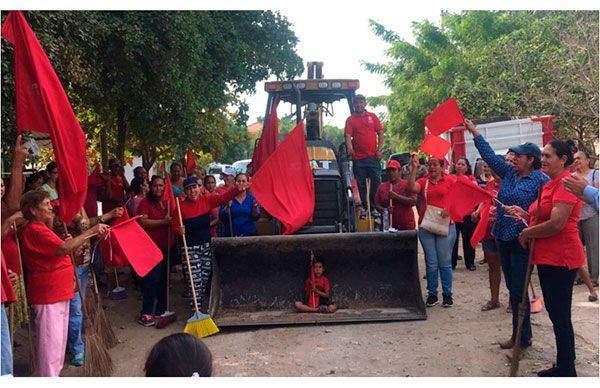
(514, 190)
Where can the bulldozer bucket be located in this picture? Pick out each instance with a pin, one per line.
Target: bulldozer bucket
(373, 276)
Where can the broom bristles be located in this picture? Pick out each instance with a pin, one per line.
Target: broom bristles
(90, 303)
(98, 362)
(201, 328)
(105, 330)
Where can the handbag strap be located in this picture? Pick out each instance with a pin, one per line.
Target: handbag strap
(426, 188)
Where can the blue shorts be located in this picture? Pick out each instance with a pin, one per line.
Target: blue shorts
(489, 246)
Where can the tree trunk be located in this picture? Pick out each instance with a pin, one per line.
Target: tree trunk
(103, 149)
(121, 134)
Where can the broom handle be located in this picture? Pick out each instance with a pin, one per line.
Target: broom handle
(369, 203)
(116, 276)
(187, 258)
(168, 252)
(514, 365)
(230, 221)
(77, 283)
(532, 290)
(390, 208)
(29, 331)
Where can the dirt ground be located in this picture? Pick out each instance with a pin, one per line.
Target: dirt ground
(457, 341)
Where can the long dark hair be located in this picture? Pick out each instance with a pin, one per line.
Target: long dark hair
(562, 148)
(150, 194)
(136, 185)
(179, 355)
(469, 170)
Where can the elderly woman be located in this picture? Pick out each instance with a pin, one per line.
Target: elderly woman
(242, 211)
(195, 216)
(438, 249)
(520, 180)
(556, 229)
(49, 279)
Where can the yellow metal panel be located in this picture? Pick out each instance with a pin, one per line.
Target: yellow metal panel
(320, 153)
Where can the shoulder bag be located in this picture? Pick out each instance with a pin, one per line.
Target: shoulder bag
(433, 221)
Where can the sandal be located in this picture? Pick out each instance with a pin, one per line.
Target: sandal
(593, 298)
(578, 282)
(490, 305)
(472, 268)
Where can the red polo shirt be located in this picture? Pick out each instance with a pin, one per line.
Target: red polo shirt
(363, 128)
(159, 234)
(403, 217)
(49, 277)
(564, 248)
(436, 193)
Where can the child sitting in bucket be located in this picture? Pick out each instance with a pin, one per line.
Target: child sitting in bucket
(319, 285)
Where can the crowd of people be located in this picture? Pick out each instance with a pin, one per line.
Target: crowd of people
(52, 253)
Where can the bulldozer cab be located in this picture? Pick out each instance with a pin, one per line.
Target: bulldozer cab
(374, 276)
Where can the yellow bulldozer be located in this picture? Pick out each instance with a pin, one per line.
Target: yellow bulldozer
(374, 275)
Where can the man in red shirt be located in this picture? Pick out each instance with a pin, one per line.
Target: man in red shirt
(115, 186)
(401, 209)
(364, 141)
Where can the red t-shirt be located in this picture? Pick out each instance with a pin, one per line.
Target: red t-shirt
(116, 194)
(11, 252)
(403, 217)
(8, 293)
(321, 283)
(363, 129)
(159, 234)
(49, 277)
(492, 186)
(436, 192)
(564, 248)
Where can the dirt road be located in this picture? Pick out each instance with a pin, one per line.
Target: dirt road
(457, 341)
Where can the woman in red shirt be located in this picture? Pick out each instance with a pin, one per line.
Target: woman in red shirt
(467, 226)
(49, 279)
(438, 249)
(557, 252)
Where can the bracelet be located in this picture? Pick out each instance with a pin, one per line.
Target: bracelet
(99, 219)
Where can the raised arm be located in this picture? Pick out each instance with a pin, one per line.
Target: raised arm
(412, 185)
(499, 165)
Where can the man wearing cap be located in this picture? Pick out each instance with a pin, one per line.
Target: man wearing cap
(228, 177)
(520, 182)
(402, 202)
(363, 135)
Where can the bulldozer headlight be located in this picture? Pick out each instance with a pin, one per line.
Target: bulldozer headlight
(323, 85)
(336, 85)
(287, 86)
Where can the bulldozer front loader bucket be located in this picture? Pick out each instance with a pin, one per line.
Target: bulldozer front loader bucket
(373, 276)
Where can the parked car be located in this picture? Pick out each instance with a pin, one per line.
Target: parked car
(215, 170)
(241, 165)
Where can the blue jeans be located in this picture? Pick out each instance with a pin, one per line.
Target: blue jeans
(513, 258)
(74, 340)
(438, 259)
(363, 169)
(7, 360)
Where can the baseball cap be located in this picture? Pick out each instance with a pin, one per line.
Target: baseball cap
(527, 149)
(229, 171)
(393, 164)
(190, 181)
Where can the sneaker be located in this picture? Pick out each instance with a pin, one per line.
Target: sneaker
(550, 372)
(77, 359)
(147, 320)
(375, 214)
(363, 213)
(447, 300)
(432, 300)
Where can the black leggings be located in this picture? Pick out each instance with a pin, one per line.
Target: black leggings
(557, 288)
(466, 229)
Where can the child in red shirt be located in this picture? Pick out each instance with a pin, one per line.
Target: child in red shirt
(322, 288)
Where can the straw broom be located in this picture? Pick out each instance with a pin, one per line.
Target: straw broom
(199, 325)
(516, 350)
(101, 323)
(97, 360)
(31, 321)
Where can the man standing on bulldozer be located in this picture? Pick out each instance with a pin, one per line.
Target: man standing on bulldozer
(364, 142)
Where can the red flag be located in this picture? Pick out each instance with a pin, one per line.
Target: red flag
(95, 178)
(484, 217)
(135, 244)
(268, 140)
(284, 185)
(190, 161)
(435, 145)
(463, 196)
(444, 116)
(112, 256)
(313, 298)
(168, 198)
(43, 106)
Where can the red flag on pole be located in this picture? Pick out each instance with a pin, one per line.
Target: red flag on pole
(463, 196)
(112, 256)
(268, 139)
(435, 145)
(168, 198)
(482, 225)
(313, 298)
(190, 161)
(135, 244)
(43, 106)
(284, 185)
(444, 116)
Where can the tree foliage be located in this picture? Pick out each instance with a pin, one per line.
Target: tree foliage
(497, 64)
(156, 83)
